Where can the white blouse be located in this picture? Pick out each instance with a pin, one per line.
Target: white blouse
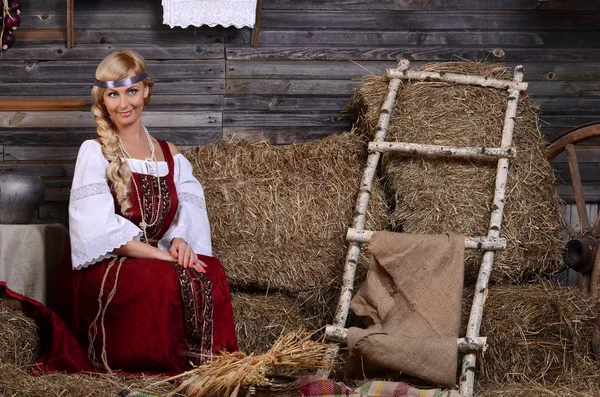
(96, 230)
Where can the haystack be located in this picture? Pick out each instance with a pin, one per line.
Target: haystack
(15, 381)
(19, 338)
(260, 319)
(433, 195)
(582, 385)
(536, 333)
(279, 214)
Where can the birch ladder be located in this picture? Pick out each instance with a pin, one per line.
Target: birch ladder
(472, 343)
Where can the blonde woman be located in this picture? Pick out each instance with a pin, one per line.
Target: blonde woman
(145, 293)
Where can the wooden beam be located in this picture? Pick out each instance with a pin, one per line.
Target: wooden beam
(36, 104)
(465, 345)
(62, 136)
(249, 119)
(82, 89)
(49, 153)
(456, 78)
(268, 86)
(429, 5)
(474, 242)
(159, 103)
(375, 51)
(73, 119)
(70, 24)
(56, 72)
(256, 29)
(43, 35)
(41, 153)
(95, 52)
(591, 192)
(482, 152)
(577, 187)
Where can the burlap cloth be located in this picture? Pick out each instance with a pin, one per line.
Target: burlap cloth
(29, 256)
(411, 301)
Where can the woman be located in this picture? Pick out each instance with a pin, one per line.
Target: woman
(145, 293)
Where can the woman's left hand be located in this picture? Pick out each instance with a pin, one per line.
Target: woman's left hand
(185, 255)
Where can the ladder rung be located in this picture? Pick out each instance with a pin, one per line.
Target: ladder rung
(435, 150)
(477, 242)
(465, 345)
(456, 78)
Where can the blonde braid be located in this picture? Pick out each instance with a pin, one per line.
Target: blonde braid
(118, 172)
(115, 66)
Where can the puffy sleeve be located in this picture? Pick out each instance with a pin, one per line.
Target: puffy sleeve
(94, 227)
(191, 219)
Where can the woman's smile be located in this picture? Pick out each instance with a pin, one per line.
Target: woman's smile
(125, 104)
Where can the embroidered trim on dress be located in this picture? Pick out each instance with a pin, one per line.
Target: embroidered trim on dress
(149, 189)
(93, 189)
(192, 198)
(198, 306)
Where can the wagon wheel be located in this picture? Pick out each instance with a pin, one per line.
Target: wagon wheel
(580, 251)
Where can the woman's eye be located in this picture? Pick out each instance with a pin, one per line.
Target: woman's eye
(112, 95)
(133, 91)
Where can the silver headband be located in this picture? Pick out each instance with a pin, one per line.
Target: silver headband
(121, 83)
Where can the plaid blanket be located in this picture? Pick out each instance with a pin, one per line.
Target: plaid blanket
(328, 388)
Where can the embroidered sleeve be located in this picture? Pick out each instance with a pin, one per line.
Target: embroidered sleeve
(191, 220)
(93, 189)
(94, 227)
(193, 199)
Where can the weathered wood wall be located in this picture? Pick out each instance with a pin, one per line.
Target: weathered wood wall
(211, 84)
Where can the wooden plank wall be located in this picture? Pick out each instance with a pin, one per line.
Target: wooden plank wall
(211, 84)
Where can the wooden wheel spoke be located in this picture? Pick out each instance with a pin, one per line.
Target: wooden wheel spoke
(577, 187)
(596, 228)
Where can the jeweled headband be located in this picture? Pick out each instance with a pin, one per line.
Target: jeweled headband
(121, 83)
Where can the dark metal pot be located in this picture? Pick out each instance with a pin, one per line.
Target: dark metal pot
(20, 196)
(579, 254)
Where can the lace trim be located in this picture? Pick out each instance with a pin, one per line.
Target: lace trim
(184, 13)
(93, 189)
(192, 198)
(86, 253)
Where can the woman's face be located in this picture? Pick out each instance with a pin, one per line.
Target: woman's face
(125, 104)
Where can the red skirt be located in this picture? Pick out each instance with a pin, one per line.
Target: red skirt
(160, 318)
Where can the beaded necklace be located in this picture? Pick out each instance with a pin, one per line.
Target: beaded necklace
(155, 214)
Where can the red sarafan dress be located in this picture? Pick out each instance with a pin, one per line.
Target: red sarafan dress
(147, 315)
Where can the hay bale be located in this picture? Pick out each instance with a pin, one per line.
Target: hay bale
(17, 382)
(279, 214)
(260, 319)
(19, 338)
(433, 195)
(582, 385)
(538, 333)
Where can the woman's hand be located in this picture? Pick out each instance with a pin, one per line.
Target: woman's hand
(185, 256)
(137, 249)
(165, 256)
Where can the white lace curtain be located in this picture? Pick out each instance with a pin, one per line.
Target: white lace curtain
(183, 13)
